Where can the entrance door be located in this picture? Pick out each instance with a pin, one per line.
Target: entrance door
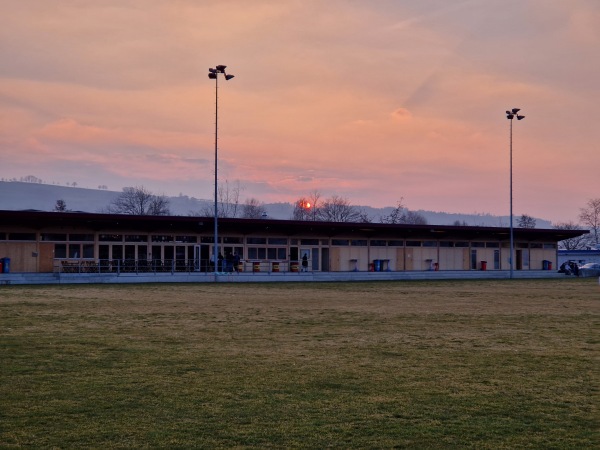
(201, 257)
(325, 260)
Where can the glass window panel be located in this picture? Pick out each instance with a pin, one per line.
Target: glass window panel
(256, 240)
(60, 250)
(74, 251)
(88, 250)
(81, 237)
(21, 236)
(53, 237)
(340, 242)
(277, 241)
(110, 237)
(396, 243)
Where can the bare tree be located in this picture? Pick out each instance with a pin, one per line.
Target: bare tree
(228, 201)
(590, 217)
(338, 209)
(139, 201)
(308, 208)
(414, 218)
(526, 221)
(576, 243)
(401, 214)
(252, 209)
(61, 206)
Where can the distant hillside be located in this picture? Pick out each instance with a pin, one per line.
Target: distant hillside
(16, 195)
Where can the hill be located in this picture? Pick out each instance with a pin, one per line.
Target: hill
(17, 195)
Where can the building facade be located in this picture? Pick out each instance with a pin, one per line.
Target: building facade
(34, 241)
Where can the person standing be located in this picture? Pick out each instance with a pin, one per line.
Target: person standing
(305, 263)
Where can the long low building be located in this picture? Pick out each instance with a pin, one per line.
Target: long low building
(39, 242)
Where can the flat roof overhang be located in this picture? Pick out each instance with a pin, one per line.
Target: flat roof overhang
(122, 223)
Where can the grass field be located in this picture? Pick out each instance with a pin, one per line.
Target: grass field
(463, 364)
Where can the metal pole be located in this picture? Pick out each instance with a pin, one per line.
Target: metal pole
(216, 244)
(511, 204)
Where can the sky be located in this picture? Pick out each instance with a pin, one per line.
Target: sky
(373, 101)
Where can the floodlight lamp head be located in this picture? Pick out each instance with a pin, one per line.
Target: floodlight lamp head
(229, 77)
(510, 116)
(221, 68)
(520, 117)
(212, 76)
(515, 110)
(507, 113)
(211, 70)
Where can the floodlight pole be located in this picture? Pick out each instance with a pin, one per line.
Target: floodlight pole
(510, 116)
(214, 74)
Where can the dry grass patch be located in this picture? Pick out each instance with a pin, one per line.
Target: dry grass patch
(479, 364)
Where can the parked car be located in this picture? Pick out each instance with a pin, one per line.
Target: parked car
(590, 270)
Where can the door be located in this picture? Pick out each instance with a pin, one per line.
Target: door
(325, 260)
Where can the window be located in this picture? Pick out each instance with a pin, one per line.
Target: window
(135, 238)
(257, 253)
(477, 244)
(413, 243)
(430, 244)
(187, 239)
(358, 243)
(81, 237)
(231, 240)
(60, 250)
(340, 242)
(309, 242)
(550, 246)
(162, 238)
(256, 240)
(207, 239)
(53, 237)
(21, 236)
(277, 241)
(461, 244)
(276, 253)
(87, 250)
(110, 237)
(395, 243)
(446, 244)
(377, 243)
(492, 244)
(74, 251)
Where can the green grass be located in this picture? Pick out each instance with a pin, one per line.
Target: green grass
(448, 364)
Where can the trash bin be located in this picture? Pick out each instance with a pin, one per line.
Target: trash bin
(483, 265)
(256, 266)
(549, 265)
(6, 265)
(275, 266)
(545, 264)
(294, 266)
(1, 264)
(377, 265)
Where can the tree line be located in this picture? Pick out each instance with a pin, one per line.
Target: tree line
(313, 207)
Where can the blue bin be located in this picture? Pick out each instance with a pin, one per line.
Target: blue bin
(5, 265)
(377, 265)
